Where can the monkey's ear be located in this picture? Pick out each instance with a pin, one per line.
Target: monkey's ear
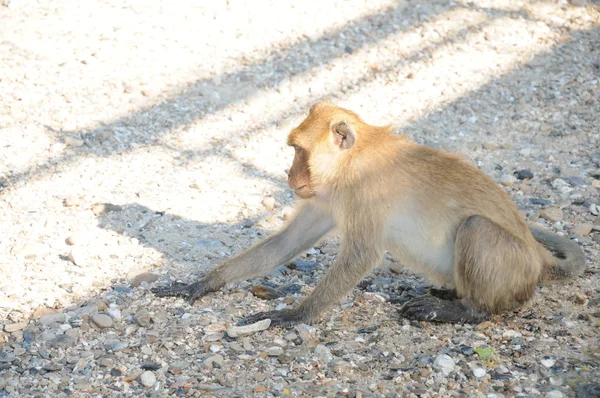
(343, 135)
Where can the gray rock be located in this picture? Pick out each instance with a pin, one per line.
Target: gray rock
(323, 353)
(553, 214)
(52, 318)
(62, 341)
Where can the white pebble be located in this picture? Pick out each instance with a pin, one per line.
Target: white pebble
(237, 331)
(444, 363)
(548, 362)
(147, 379)
(76, 256)
(478, 372)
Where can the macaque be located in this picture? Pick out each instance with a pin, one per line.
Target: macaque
(433, 212)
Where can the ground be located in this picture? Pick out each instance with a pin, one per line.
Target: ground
(176, 114)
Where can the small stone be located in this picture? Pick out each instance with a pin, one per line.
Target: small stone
(287, 212)
(62, 341)
(595, 209)
(265, 292)
(509, 334)
(179, 365)
(269, 203)
(72, 200)
(74, 239)
(444, 363)
(238, 331)
(537, 201)
(489, 147)
(305, 266)
(479, 372)
(214, 361)
(104, 208)
(114, 312)
(323, 353)
(582, 229)
(555, 394)
(552, 213)
(466, 350)
(508, 180)
(548, 362)
(147, 379)
(143, 318)
(274, 351)
(52, 318)
(15, 326)
(247, 223)
(524, 174)
(77, 257)
(307, 334)
(147, 277)
(576, 181)
(6, 357)
(102, 321)
(73, 141)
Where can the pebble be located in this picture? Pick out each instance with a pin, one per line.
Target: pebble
(104, 208)
(323, 353)
(147, 277)
(582, 229)
(548, 362)
(239, 331)
(13, 327)
(508, 180)
(207, 244)
(61, 317)
(73, 141)
(72, 200)
(553, 214)
(554, 394)
(6, 357)
(77, 257)
(524, 174)
(265, 292)
(214, 360)
(147, 379)
(102, 321)
(114, 312)
(62, 341)
(479, 372)
(444, 363)
(269, 203)
(274, 351)
(287, 212)
(143, 318)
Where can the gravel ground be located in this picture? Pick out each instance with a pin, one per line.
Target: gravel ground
(174, 115)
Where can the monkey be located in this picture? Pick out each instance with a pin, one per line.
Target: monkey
(432, 211)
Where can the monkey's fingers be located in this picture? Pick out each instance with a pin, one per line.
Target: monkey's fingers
(174, 290)
(429, 308)
(190, 292)
(278, 318)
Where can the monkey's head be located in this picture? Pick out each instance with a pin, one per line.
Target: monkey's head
(321, 142)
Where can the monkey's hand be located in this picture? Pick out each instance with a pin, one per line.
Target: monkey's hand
(190, 292)
(278, 318)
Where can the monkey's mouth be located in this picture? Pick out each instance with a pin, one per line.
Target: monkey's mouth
(304, 192)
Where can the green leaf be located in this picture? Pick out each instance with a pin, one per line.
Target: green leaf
(485, 354)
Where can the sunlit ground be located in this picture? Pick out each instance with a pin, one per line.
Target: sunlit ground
(183, 107)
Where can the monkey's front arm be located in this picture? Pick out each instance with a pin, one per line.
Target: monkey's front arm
(306, 227)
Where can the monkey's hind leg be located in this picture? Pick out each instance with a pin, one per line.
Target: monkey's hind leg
(493, 272)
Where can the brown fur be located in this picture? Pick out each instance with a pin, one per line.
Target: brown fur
(435, 213)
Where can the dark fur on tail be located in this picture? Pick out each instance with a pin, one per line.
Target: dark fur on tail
(567, 260)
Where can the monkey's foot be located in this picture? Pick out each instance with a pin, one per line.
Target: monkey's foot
(434, 309)
(278, 318)
(189, 292)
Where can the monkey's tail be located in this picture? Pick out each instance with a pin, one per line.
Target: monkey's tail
(565, 258)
